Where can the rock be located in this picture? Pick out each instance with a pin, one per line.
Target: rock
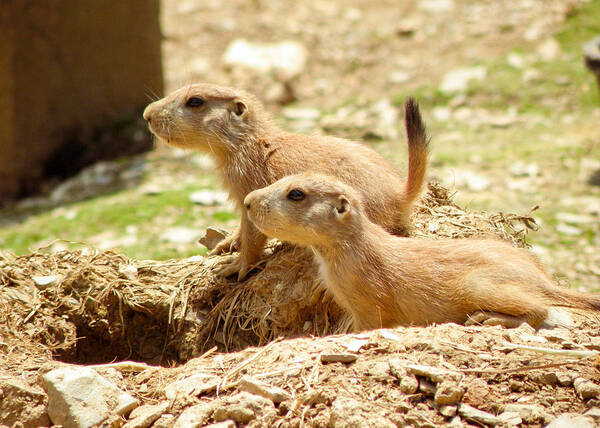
(194, 416)
(441, 114)
(448, 411)
(434, 374)
(242, 408)
(409, 384)
(458, 80)
(529, 413)
(556, 335)
(43, 282)
(427, 387)
(576, 218)
(128, 271)
(448, 393)
(436, 6)
(465, 178)
(350, 413)
(208, 197)
(523, 169)
(354, 345)
(298, 113)
(165, 421)
(212, 237)
(22, 404)
(224, 424)
(531, 75)
(510, 418)
(549, 50)
(547, 378)
(586, 388)
(193, 385)
(515, 60)
(594, 413)
(399, 76)
(572, 420)
(565, 229)
(80, 397)
(338, 358)
(286, 59)
(273, 393)
(478, 416)
(144, 416)
(180, 235)
(565, 379)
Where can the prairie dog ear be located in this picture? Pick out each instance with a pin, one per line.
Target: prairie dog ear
(239, 108)
(342, 207)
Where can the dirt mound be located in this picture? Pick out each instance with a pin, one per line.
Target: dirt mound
(89, 306)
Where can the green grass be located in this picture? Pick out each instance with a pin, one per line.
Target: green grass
(540, 135)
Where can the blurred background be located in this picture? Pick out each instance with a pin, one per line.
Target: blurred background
(512, 109)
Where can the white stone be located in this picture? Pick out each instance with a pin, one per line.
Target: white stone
(128, 271)
(298, 113)
(441, 114)
(79, 397)
(523, 169)
(193, 385)
(479, 416)
(570, 420)
(43, 282)
(208, 197)
(458, 80)
(287, 59)
(399, 76)
(565, 229)
(549, 50)
(510, 418)
(435, 374)
(515, 60)
(195, 416)
(576, 218)
(436, 6)
(145, 416)
(469, 179)
(273, 393)
(180, 235)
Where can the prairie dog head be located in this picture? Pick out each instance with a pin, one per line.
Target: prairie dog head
(205, 117)
(308, 209)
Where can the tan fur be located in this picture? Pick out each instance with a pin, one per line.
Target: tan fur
(385, 280)
(251, 152)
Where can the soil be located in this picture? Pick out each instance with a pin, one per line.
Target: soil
(175, 336)
(165, 331)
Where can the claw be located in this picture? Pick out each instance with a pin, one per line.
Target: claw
(493, 318)
(232, 266)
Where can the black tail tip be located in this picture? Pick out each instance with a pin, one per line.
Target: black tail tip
(415, 128)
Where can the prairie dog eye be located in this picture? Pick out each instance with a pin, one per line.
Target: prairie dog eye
(296, 195)
(194, 102)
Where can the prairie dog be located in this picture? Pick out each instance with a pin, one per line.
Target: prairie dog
(251, 152)
(384, 280)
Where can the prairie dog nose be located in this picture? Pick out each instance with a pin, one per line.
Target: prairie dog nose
(248, 200)
(148, 113)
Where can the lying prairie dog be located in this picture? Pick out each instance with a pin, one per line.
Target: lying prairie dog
(251, 152)
(384, 280)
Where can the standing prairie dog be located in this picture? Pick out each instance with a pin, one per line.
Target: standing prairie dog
(384, 280)
(251, 152)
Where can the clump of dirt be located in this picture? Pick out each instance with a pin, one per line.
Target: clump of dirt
(90, 306)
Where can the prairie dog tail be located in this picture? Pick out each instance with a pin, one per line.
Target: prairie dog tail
(575, 299)
(418, 149)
